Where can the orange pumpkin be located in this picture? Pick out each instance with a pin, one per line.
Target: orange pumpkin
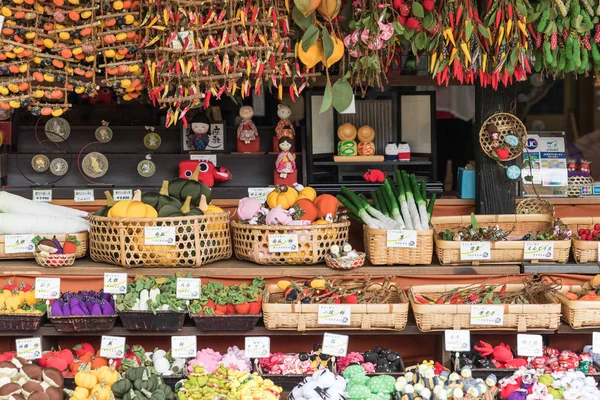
(310, 211)
(109, 39)
(130, 35)
(122, 51)
(74, 15)
(112, 70)
(127, 4)
(89, 74)
(23, 86)
(46, 111)
(4, 106)
(13, 69)
(38, 76)
(326, 204)
(85, 31)
(57, 94)
(110, 22)
(58, 64)
(66, 53)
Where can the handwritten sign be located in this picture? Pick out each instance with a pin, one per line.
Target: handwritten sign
(42, 195)
(335, 345)
(529, 345)
(18, 244)
(29, 348)
(473, 251)
(115, 283)
(183, 346)
(538, 250)
(188, 288)
(159, 236)
(402, 238)
(122, 194)
(457, 340)
(204, 157)
(334, 314)
(260, 194)
(283, 243)
(112, 347)
(257, 347)
(47, 288)
(487, 315)
(83, 195)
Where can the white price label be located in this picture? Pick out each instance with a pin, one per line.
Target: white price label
(538, 250)
(159, 236)
(599, 252)
(596, 342)
(204, 157)
(457, 340)
(529, 345)
(112, 347)
(487, 315)
(18, 244)
(122, 194)
(283, 243)
(183, 346)
(260, 193)
(334, 314)
(188, 288)
(29, 348)
(401, 238)
(473, 251)
(115, 283)
(83, 195)
(335, 345)
(42, 195)
(47, 288)
(1, 21)
(257, 347)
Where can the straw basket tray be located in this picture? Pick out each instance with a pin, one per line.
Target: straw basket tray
(506, 252)
(519, 317)
(379, 254)
(54, 260)
(213, 323)
(584, 251)
(81, 251)
(199, 240)
(345, 263)
(304, 317)
(162, 321)
(21, 322)
(84, 323)
(251, 242)
(579, 314)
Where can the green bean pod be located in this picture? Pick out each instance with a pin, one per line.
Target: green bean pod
(562, 59)
(577, 54)
(547, 52)
(595, 54)
(543, 22)
(569, 49)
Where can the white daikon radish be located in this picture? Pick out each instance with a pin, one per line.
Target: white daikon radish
(11, 203)
(15, 224)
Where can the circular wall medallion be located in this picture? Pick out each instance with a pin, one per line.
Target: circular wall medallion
(57, 129)
(146, 168)
(152, 141)
(59, 166)
(104, 134)
(40, 163)
(513, 172)
(94, 165)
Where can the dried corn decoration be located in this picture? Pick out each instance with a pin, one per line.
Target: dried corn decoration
(17, 41)
(120, 40)
(209, 49)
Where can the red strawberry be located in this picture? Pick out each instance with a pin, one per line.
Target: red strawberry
(412, 23)
(83, 348)
(428, 5)
(242, 309)
(404, 10)
(397, 4)
(402, 20)
(502, 153)
(230, 309)
(255, 307)
(352, 299)
(220, 309)
(583, 237)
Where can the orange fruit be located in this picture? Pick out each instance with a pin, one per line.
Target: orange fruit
(58, 64)
(66, 53)
(46, 111)
(23, 86)
(57, 94)
(74, 15)
(38, 76)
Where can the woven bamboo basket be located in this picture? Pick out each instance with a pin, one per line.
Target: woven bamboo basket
(575, 184)
(251, 242)
(213, 323)
(304, 317)
(345, 264)
(507, 252)
(162, 321)
(84, 323)
(21, 322)
(577, 313)
(379, 254)
(584, 251)
(199, 240)
(81, 251)
(54, 260)
(519, 317)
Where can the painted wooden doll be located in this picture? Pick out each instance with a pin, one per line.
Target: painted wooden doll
(248, 140)
(284, 127)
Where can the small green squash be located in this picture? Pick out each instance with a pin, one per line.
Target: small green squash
(161, 199)
(136, 373)
(130, 395)
(103, 212)
(181, 188)
(121, 387)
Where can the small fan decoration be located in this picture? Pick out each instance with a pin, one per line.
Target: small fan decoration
(207, 50)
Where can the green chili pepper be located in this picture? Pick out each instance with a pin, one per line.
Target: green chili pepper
(570, 66)
(543, 22)
(595, 53)
(585, 61)
(576, 54)
(562, 59)
(587, 20)
(547, 53)
(570, 45)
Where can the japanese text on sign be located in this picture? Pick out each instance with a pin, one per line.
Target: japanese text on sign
(260, 194)
(188, 288)
(335, 345)
(538, 250)
(401, 238)
(83, 195)
(115, 283)
(457, 340)
(159, 236)
(183, 346)
(112, 347)
(18, 244)
(529, 345)
(257, 346)
(42, 195)
(283, 243)
(122, 194)
(47, 288)
(487, 315)
(472, 251)
(334, 314)
(29, 348)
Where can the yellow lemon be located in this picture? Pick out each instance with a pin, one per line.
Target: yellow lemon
(3, 90)
(14, 104)
(57, 112)
(38, 94)
(13, 87)
(118, 5)
(30, 35)
(77, 50)
(6, 12)
(64, 35)
(86, 14)
(48, 43)
(109, 53)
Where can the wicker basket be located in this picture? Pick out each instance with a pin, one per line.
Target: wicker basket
(584, 251)
(81, 251)
(162, 321)
(251, 242)
(199, 240)
(21, 322)
(575, 184)
(506, 252)
(54, 260)
(304, 317)
(345, 263)
(379, 254)
(519, 317)
(84, 323)
(577, 313)
(212, 323)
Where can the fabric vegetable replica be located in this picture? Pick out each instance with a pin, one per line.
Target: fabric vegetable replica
(151, 294)
(218, 299)
(83, 303)
(590, 291)
(20, 300)
(304, 363)
(325, 291)
(22, 379)
(53, 246)
(140, 383)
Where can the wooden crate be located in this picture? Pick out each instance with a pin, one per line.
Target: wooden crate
(378, 253)
(82, 237)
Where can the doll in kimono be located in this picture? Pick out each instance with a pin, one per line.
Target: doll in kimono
(284, 127)
(285, 164)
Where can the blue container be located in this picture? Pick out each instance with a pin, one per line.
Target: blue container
(466, 183)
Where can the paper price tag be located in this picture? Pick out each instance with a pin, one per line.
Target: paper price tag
(257, 347)
(529, 345)
(283, 243)
(334, 314)
(183, 346)
(204, 157)
(112, 347)
(115, 283)
(42, 195)
(47, 288)
(335, 345)
(538, 250)
(18, 244)
(159, 235)
(472, 251)
(401, 238)
(457, 340)
(260, 193)
(83, 195)
(29, 348)
(596, 342)
(487, 315)
(1, 21)
(188, 288)
(122, 194)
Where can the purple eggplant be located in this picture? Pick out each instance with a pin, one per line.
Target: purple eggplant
(58, 245)
(96, 309)
(77, 310)
(106, 296)
(57, 309)
(107, 308)
(66, 310)
(85, 308)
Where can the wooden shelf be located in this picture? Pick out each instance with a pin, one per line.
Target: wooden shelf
(362, 163)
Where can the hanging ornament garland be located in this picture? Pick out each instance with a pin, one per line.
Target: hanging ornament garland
(502, 137)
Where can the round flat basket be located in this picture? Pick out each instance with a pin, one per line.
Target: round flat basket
(575, 184)
(506, 125)
(535, 206)
(54, 260)
(345, 263)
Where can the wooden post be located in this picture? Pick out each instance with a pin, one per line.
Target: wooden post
(495, 192)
